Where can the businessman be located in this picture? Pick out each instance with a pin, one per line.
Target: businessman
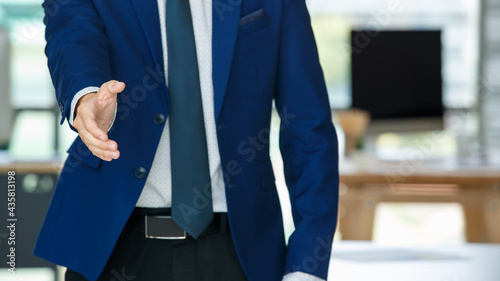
(170, 177)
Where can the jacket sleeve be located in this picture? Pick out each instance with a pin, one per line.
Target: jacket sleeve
(308, 144)
(77, 49)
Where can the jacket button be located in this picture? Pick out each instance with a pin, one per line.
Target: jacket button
(159, 119)
(232, 186)
(141, 172)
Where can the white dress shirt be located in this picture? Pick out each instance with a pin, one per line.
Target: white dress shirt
(157, 190)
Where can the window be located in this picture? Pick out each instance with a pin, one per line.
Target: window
(32, 93)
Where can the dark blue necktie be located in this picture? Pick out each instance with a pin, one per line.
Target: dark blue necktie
(191, 188)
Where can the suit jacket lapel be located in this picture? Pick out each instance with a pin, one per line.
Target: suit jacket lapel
(225, 18)
(147, 14)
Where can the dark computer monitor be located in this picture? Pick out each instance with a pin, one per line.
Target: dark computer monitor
(396, 76)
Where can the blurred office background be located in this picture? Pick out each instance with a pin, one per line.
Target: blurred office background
(404, 183)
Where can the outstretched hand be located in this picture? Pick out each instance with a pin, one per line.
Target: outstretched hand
(93, 113)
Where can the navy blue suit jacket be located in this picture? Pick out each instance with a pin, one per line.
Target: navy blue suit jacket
(255, 61)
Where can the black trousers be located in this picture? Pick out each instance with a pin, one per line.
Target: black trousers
(211, 257)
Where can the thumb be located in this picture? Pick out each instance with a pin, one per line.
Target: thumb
(109, 89)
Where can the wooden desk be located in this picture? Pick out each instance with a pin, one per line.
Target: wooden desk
(365, 184)
(31, 167)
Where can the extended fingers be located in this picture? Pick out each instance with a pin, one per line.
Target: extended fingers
(98, 142)
(106, 150)
(93, 128)
(106, 155)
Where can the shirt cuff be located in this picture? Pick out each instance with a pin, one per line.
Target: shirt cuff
(78, 96)
(301, 276)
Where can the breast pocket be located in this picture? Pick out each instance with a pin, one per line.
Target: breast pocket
(254, 22)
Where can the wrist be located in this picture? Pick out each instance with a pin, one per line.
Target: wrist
(83, 99)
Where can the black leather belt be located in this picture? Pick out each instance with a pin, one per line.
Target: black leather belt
(157, 223)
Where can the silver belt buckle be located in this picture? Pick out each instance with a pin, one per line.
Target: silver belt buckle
(163, 227)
